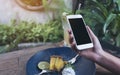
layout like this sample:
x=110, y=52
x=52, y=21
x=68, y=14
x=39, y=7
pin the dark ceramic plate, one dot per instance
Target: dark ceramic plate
x=81, y=67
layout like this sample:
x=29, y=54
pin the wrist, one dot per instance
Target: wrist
x=99, y=56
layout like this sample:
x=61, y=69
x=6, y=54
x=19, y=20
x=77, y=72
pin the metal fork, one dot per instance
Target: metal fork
x=43, y=71
x=72, y=61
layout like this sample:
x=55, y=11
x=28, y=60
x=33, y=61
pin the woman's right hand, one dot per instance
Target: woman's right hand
x=97, y=54
x=91, y=53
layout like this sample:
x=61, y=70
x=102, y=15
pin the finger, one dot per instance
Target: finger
x=90, y=32
x=70, y=37
x=73, y=46
x=92, y=35
x=69, y=31
x=71, y=40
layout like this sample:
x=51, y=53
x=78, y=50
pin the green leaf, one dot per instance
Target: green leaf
x=118, y=1
x=118, y=40
x=116, y=25
x=101, y=7
x=110, y=18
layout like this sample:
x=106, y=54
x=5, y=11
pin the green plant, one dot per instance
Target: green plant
x=14, y=33
x=19, y=32
x=104, y=18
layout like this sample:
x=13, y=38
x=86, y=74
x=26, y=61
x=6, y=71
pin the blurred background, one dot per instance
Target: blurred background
x=41, y=21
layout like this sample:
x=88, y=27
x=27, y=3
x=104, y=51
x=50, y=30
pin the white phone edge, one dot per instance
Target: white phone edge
x=83, y=46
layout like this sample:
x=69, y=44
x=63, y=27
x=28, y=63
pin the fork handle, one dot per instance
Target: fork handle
x=76, y=55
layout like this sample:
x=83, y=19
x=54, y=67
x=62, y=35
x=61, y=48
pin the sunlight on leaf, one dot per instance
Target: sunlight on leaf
x=110, y=18
x=118, y=1
x=118, y=40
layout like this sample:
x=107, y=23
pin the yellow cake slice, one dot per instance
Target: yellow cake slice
x=59, y=64
x=56, y=63
x=52, y=62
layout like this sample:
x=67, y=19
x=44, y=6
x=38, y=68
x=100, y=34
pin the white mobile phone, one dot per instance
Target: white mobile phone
x=79, y=31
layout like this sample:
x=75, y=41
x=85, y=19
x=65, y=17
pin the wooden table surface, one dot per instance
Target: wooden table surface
x=14, y=63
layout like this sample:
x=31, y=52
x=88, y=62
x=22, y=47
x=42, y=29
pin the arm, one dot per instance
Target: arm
x=109, y=62
x=97, y=54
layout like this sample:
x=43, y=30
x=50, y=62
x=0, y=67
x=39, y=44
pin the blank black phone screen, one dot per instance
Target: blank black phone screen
x=79, y=31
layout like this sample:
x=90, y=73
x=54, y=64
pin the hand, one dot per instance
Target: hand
x=97, y=54
x=91, y=53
